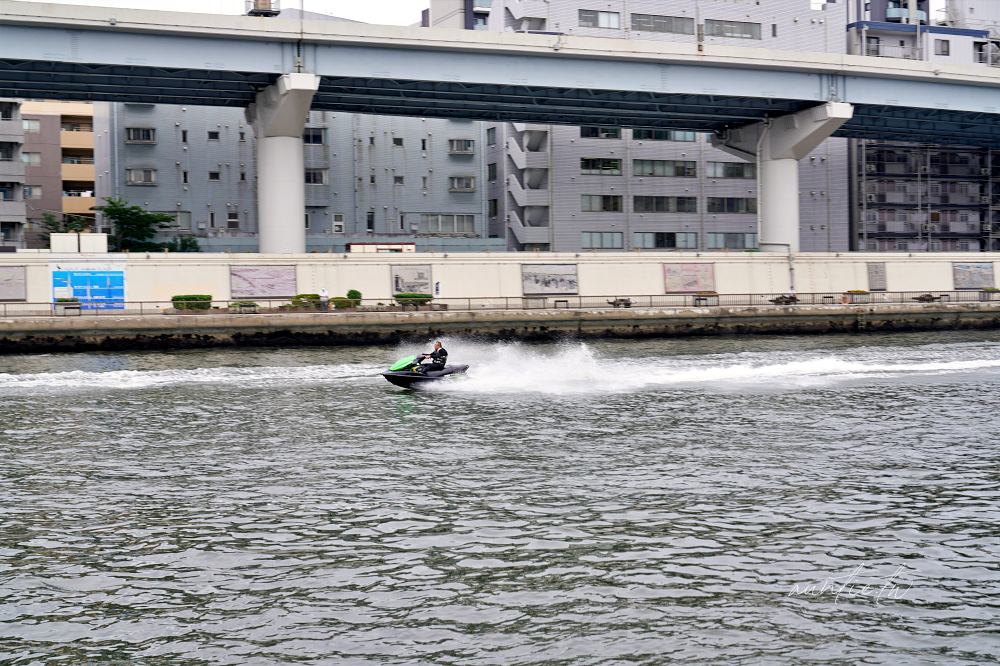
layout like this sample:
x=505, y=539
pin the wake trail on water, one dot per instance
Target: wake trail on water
x=238, y=377
x=576, y=368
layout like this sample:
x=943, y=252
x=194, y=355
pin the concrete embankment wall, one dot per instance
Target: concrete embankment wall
x=109, y=332
x=29, y=277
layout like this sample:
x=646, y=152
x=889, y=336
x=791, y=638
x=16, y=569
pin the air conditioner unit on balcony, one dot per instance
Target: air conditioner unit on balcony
x=871, y=198
x=929, y=227
x=986, y=228
x=870, y=168
x=984, y=200
x=984, y=172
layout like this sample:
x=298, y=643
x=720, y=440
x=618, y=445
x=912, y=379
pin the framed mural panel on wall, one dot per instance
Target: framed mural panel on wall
x=549, y=279
x=13, y=283
x=968, y=275
x=681, y=278
x=876, y=276
x=262, y=281
x=409, y=279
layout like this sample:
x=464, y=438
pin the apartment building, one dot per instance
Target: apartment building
x=12, y=206
x=59, y=163
x=369, y=179
x=913, y=197
x=563, y=188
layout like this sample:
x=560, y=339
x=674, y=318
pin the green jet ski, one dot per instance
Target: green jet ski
x=408, y=373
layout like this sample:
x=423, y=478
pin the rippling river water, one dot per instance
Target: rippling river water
x=764, y=500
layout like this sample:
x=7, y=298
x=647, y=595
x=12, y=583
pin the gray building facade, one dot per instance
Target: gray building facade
x=567, y=188
x=369, y=179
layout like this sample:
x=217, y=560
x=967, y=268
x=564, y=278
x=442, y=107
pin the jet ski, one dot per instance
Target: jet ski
x=406, y=372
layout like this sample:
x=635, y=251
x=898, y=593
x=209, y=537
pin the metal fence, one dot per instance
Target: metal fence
x=260, y=306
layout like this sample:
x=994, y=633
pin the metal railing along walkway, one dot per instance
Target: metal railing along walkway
x=263, y=306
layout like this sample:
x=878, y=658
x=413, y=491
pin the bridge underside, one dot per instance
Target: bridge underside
x=474, y=101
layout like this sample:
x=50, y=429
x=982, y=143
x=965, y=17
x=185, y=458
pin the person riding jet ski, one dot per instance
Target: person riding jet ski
x=438, y=357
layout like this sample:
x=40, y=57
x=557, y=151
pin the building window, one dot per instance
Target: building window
x=397, y=141
x=461, y=146
x=243, y=176
x=397, y=180
x=679, y=168
x=462, y=184
x=211, y=220
x=314, y=136
x=731, y=241
x=653, y=23
x=731, y=170
x=215, y=176
x=140, y=176
x=31, y=159
x=233, y=220
x=32, y=191
x=665, y=204
x=590, y=18
x=655, y=134
x=140, y=135
x=655, y=240
x=371, y=141
x=491, y=136
x=600, y=166
x=31, y=126
x=184, y=136
x=338, y=223
x=423, y=182
x=737, y=29
x=595, y=132
x=446, y=223
x=308, y=219
x=243, y=136
x=942, y=47
x=213, y=136
x=493, y=206
x=731, y=205
x=600, y=203
x=602, y=240
x=370, y=221
x=184, y=177
x=491, y=171
x=316, y=176
x=423, y=144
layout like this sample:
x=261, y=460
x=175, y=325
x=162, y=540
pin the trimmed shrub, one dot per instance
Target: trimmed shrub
x=412, y=298
x=73, y=299
x=243, y=304
x=192, y=302
x=354, y=294
x=341, y=303
x=306, y=301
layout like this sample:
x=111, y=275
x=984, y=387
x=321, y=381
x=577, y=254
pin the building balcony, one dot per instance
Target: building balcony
x=11, y=169
x=83, y=172
x=80, y=139
x=12, y=208
x=78, y=205
x=11, y=131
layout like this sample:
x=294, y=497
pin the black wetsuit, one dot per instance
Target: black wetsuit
x=438, y=359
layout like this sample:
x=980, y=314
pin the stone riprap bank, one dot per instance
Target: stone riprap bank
x=109, y=332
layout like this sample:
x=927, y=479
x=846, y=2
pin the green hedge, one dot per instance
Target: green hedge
x=354, y=295
x=342, y=303
x=192, y=302
x=68, y=300
x=309, y=301
x=411, y=298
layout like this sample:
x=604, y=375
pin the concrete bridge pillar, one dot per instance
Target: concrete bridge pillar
x=777, y=145
x=278, y=117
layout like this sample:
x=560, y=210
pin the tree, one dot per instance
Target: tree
x=133, y=227
x=68, y=224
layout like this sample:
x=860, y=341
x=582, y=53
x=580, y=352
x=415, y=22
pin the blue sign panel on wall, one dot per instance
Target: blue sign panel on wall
x=96, y=290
